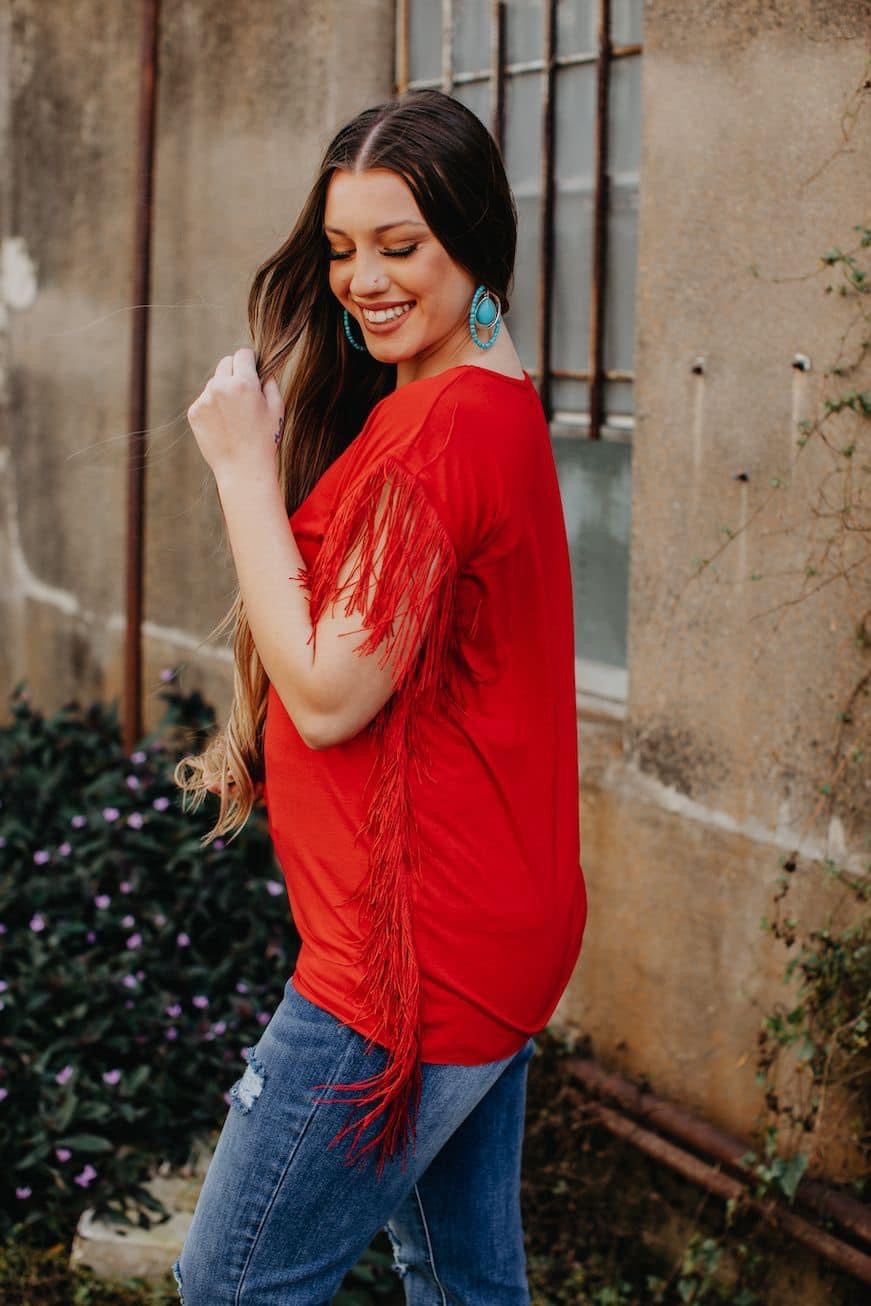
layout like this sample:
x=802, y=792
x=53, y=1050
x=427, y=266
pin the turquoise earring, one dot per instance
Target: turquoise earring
x=485, y=311
x=347, y=319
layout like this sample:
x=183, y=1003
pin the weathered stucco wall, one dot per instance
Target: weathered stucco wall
x=248, y=99
x=689, y=806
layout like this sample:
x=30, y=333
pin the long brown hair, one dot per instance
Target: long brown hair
x=452, y=166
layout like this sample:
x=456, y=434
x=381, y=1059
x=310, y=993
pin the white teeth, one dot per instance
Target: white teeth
x=385, y=314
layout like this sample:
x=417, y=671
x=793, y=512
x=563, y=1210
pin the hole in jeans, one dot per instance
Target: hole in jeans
x=399, y=1265
x=176, y=1270
x=246, y=1090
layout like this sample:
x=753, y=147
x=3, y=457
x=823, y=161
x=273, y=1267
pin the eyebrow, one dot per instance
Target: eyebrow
x=385, y=226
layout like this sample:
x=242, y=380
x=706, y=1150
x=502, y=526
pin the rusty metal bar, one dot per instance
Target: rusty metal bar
x=447, y=81
x=713, y=1143
x=847, y=1258
x=547, y=209
x=497, y=72
x=401, y=52
x=138, y=395
x=600, y=224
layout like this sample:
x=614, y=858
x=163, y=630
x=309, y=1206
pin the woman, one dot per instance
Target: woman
x=404, y=701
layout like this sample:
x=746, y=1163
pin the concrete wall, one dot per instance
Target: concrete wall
x=248, y=99
x=690, y=804
x=687, y=805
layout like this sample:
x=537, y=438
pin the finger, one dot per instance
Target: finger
x=244, y=364
x=225, y=367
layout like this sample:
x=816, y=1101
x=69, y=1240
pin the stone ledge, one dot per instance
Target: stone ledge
x=122, y=1251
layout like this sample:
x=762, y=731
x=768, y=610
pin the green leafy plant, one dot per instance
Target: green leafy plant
x=136, y=964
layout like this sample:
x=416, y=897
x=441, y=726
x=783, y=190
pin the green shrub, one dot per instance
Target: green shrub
x=135, y=964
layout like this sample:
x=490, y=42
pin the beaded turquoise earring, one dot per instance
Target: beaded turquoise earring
x=485, y=311
x=347, y=320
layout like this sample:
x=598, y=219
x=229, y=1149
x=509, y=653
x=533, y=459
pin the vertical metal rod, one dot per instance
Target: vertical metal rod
x=402, y=54
x=601, y=204
x=497, y=72
x=447, y=46
x=547, y=209
x=138, y=395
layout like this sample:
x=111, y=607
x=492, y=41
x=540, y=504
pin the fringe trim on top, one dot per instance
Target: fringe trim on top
x=408, y=604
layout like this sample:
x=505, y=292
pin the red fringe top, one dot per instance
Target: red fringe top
x=432, y=862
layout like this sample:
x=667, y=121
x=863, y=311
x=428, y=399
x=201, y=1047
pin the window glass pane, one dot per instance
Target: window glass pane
x=624, y=147
x=477, y=97
x=524, y=30
x=626, y=21
x=570, y=297
x=595, y=483
x=471, y=35
x=424, y=40
x=523, y=97
x=576, y=26
x=619, y=399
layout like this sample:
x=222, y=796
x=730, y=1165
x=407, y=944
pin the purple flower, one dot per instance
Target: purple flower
x=128, y=922
x=2, y=928
x=4, y=1092
x=160, y=804
x=227, y=1098
x=167, y=674
x=62, y=1153
x=183, y=940
x=2, y=840
x=91, y=936
x=172, y=1033
x=136, y=820
x=22, y=1193
x=3, y=986
x=85, y=1176
x=65, y=848
x=200, y=1000
x=218, y=845
x=42, y=856
x=132, y=781
x=102, y=901
x=134, y=941
x=110, y=813
x=159, y=919
x=174, y=1010
x=37, y=923
x=78, y=821
x=241, y=987
x=274, y=887
x=263, y=1018
x=125, y=886
x=139, y=756
x=63, y=1075
x=129, y=981
x=129, y=1003
x=140, y=974
x=219, y=1027
x=111, y=1076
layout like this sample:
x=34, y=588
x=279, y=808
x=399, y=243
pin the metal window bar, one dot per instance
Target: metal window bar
x=607, y=51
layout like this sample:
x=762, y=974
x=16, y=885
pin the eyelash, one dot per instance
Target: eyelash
x=390, y=253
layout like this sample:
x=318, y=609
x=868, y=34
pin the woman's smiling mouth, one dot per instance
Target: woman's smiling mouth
x=386, y=317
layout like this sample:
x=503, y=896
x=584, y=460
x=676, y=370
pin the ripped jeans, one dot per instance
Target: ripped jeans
x=281, y=1217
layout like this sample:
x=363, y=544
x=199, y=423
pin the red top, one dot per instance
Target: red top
x=451, y=820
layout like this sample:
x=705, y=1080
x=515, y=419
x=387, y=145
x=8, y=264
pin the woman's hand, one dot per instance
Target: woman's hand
x=238, y=425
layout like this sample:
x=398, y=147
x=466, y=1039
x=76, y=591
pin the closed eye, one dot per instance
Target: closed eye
x=390, y=253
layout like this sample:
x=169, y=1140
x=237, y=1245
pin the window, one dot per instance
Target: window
x=558, y=83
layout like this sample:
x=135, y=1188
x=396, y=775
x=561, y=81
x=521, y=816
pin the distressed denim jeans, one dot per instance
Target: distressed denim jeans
x=281, y=1217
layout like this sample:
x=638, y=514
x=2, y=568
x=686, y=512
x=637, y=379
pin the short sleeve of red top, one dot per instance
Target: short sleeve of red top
x=432, y=862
